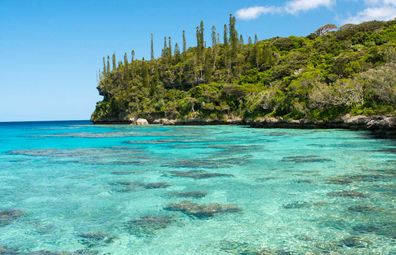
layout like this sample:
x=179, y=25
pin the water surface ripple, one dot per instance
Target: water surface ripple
x=75, y=188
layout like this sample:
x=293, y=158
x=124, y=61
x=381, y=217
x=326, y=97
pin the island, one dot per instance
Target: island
x=333, y=78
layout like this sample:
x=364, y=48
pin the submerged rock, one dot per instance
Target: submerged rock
x=339, y=180
x=156, y=185
x=45, y=252
x=191, y=194
x=265, y=179
x=125, y=186
x=354, y=242
x=382, y=228
x=368, y=177
x=238, y=248
x=304, y=181
x=364, y=229
x=347, y=193
x=233, y=149
x=348, y=179
x=362, y=208
x=85, y=252
x=388, y=229
x=147, y=226
x=202, y=210
x=388, y=150
x=278, y=134
x=198, y=174
x=334, y=223
x=9, y=216
x=8, y=251
x=297, y=205
x=304, y=159
x=209, y=163
x=243, y=248
x=273, y=252
x=94, y=239
x=123, y=172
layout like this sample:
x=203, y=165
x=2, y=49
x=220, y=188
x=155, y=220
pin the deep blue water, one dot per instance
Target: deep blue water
x=76, y=188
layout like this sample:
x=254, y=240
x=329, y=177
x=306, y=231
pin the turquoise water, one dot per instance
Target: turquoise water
x=81, y=189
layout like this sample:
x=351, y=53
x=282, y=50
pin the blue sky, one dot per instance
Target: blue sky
x=51, y=50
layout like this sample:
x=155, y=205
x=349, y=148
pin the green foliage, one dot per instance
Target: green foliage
x=321, y=76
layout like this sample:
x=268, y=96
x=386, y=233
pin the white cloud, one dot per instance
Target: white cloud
x=375, y=10
x=373, y=13
x=297, y=6
x=291, y=7
x=255, y=11
x=380, y=2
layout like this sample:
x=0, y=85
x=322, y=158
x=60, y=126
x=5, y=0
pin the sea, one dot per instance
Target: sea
x=70, y=187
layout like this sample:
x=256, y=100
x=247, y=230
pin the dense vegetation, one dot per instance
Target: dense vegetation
x=327, y=74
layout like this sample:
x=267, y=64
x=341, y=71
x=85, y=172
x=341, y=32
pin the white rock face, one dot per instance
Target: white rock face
x=359, y=119
x=141, y=122
x=164, y=121
x=383, y=122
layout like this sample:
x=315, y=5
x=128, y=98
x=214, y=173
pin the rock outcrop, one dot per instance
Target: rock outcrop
x=138, y=121
x=164, y=121
x=381, y=126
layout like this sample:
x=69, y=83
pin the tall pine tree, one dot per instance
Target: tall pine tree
x=114, y=61
x=214, y=37
x=104, y=66
x=184, y=42
x=225, y=35
x=152, y=46
x=126, y=59
x=177, y=53
x=108, y=65
x=170, y=47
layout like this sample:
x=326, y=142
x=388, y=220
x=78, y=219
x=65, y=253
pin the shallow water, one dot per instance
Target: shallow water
x=82, y=189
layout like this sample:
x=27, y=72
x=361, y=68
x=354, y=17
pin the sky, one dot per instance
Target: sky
x=51, y=50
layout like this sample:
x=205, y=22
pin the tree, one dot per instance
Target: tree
x=250, y=41
x=214, y=46
x=214, y=37
x=234, y=45
x=104, y=65
x=126, y=59
x=225, y=35
x=165, y=49
x=145, y=74
x=201, y=34
x=108, y=65
x=170, y=47
x=267, y=57
x=184, y=42
x=132, y=64
x=114, y=61
x=325, y=29
x=256, y=51
x=233, y=35
x=177, y=53
x=152, y=46
x=132, y=56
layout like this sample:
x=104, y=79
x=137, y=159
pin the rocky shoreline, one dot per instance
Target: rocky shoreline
x=380, y=126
